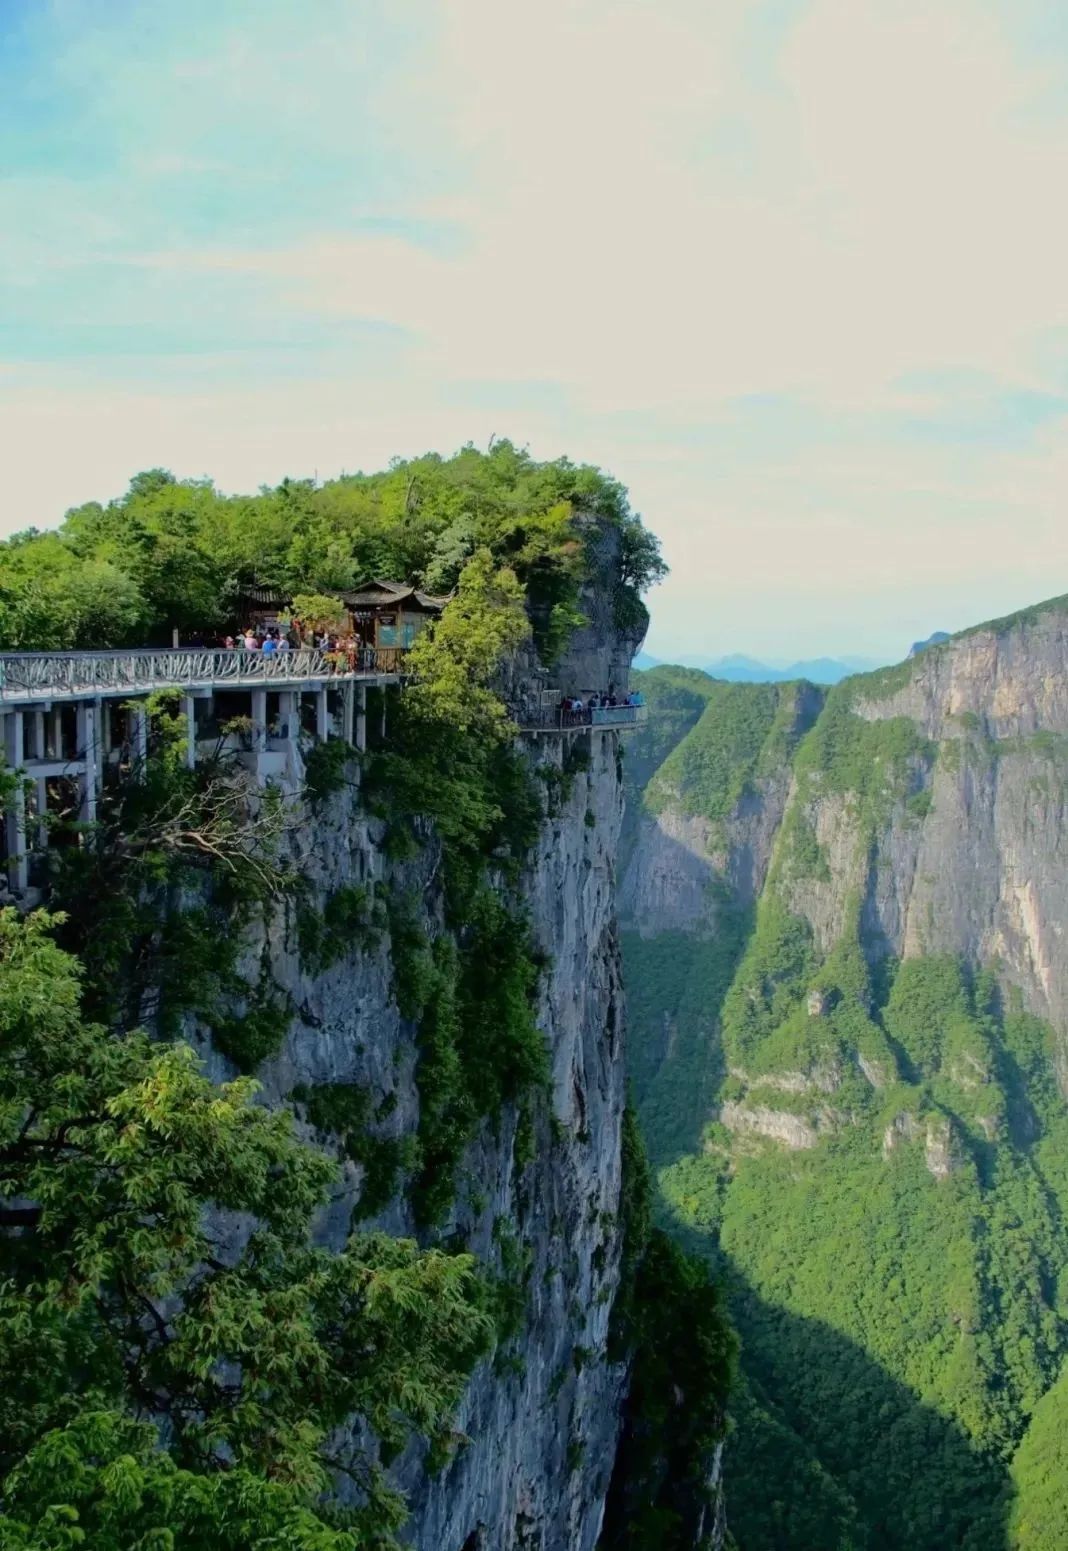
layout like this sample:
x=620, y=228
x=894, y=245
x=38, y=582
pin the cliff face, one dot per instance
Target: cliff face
x=966, y=853
x=538, y=1427
x=846, y=965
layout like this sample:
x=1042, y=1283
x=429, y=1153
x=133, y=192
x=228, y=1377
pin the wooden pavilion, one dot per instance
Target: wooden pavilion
x=390, y=614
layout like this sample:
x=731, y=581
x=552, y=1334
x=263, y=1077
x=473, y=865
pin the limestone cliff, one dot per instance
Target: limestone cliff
x=538, y=1428
x=844, y=927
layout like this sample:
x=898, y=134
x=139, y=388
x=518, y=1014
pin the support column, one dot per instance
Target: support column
x=42, y=812
x=361, y=716
x=322, y=714
x=40, y=746
x=105, y=734
x=348, y=711
x=139, y=736
x=383, y=729
x=289, y=721
x=15, y=817
x=86, y=714
x=57, y=732
x=189, y=706
x=259, y=720
x=289, y=715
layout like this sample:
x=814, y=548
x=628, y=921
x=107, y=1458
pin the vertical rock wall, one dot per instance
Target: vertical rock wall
x=538, y=1425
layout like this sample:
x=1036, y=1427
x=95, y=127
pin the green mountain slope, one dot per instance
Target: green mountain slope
x=847, y=1040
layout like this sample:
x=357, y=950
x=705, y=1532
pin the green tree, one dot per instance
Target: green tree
x=179, y=1367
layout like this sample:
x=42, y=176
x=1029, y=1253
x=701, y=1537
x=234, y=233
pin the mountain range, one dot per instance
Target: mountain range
x=737, y=668
x=842, y=917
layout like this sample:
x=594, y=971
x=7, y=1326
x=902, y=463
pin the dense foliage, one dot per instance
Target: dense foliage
x=897, y=1273
x=129, y=1418
x=181, y=1367
x=668, y=1319
x=176, y=554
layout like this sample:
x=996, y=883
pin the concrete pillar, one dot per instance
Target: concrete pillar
x=189, y=706
x=86, y=713
x=348, y=715
x=322, y=714
x=383, y=714
x=259, y=720
x=105, y=732
x=57, y=732
x=42, y=811
x=139, y=736
x=40, y=736
x=15, y=817
x=289, y=715
x=361, y=716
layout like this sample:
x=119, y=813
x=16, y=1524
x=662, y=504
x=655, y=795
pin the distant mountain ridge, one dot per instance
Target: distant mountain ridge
x=736, y=668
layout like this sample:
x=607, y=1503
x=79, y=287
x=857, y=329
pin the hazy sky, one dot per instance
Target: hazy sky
x=796, y=271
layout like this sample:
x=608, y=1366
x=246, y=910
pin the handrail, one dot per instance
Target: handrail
x=593, y=716
x=27, y=675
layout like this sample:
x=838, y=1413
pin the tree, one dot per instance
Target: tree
x=178, y=1366
x=319, y=610
x=454, y=661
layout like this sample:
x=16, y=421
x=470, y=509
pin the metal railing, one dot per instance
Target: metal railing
x=550, y=718
x=44, y=675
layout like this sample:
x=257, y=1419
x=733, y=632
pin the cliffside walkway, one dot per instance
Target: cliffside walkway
x=606, y=718
x=27, y=677
x=66, y=717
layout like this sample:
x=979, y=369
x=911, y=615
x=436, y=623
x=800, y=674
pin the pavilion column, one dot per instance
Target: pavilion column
x=15, y=817
x=361, y=716
x=189, y=706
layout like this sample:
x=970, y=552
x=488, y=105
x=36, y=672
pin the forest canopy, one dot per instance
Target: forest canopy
x=177, y=554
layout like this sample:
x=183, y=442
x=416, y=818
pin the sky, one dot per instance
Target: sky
x=795, y=271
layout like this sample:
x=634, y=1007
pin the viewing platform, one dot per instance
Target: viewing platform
x=68, y=719
x=32, y=677
x=605, y=718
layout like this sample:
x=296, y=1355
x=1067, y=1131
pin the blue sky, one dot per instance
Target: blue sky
x=792, y=269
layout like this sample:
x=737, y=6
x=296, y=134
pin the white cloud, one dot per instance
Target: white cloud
x=662, y=208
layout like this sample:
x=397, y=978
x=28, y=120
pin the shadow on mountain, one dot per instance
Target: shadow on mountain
x=831, y=1453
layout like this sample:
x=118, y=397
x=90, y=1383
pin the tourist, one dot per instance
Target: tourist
x=270, y=646
x=251, y=643
x=283, y=645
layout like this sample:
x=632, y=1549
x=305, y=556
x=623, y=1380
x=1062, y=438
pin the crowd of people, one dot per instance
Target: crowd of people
x=344, y=651
x=570, y=704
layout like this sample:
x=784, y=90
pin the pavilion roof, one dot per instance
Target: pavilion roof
x=384, y=594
